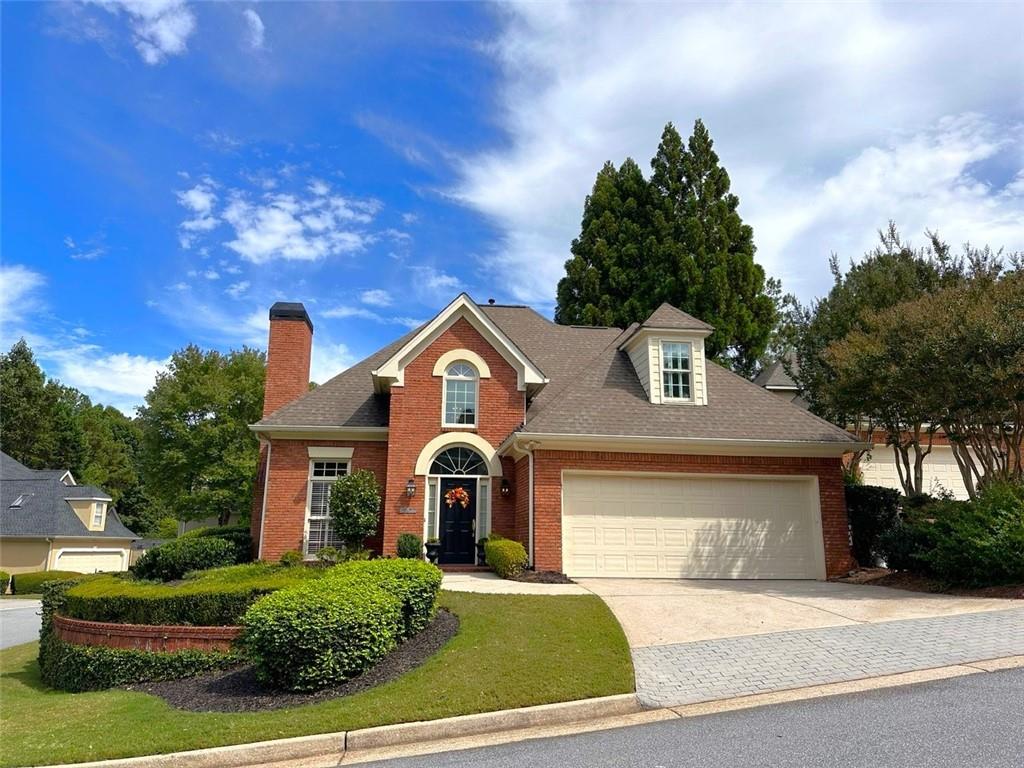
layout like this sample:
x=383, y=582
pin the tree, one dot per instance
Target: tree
x=355, y=508
x=23, y=405
x=676, y=238
x=198, y=454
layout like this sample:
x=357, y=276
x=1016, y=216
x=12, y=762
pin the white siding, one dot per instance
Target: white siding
x=640, y=357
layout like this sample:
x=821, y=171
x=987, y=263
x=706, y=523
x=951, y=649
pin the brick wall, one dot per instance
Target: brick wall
x=144, y=637
x=548, y=467
x=288, y=488
x=415, y=419
x=288, y=356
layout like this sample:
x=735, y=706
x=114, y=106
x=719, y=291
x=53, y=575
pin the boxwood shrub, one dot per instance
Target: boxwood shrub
x=414, y=582
x=32, y=583
x=239, y=536
x=506, y=557
x=174, y=559
x=320, y=633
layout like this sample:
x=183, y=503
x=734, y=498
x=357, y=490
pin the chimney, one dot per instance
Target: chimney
x=288, y=355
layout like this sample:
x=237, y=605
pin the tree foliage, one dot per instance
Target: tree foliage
x=677, y=238
x=355, y=508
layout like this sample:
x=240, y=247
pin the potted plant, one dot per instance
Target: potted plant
x=481, y=555
x=433, y=549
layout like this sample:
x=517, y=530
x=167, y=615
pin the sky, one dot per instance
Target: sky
x=170, y=169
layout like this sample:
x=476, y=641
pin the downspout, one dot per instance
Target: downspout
x=263, y=504
x=49, y=554
x=529, y=447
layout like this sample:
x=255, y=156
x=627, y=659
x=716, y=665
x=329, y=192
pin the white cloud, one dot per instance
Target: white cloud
x=409, y=218
x=160, y=28
x=790, y=98
x=18, y=286
x=236, y=290
x=254, y=27
x=118, y=378
x=435, y=281
x=211, y=274
x=328, y=360
x=346, y=311
x=200, y=200
x=376, y=298
x=93, y=250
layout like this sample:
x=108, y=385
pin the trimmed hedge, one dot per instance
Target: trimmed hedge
x=409, y=546
x=174, y=559
x=32, y=583
x=5, y=579
x=214, y=598
x=76, y=668
x=239, y=535
x=506, y=557
x=321, y=633
x=872, y=512
x=414, y=582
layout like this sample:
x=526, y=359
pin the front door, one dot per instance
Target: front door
x=458, y=520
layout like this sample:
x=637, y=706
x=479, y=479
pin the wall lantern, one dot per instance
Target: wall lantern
x=410, y=487
x=506, y=488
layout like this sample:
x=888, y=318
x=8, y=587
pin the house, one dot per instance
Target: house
x=50, y=523
x=605, y=451
x=878, y=467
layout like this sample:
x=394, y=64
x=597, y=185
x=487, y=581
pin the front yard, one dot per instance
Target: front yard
x=510, y=651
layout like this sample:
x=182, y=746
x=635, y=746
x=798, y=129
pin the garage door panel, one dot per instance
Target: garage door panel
x=89, y=561
x=691, y=526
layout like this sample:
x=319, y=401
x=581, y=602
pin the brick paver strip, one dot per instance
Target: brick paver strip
x=686, y=673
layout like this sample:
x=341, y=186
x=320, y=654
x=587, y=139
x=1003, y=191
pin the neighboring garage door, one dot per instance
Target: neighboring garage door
x=941, y=472
x=90, y=561
x=691, y=526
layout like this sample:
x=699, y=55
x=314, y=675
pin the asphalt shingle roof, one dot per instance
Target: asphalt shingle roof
x=775, y=375
x=667, y=316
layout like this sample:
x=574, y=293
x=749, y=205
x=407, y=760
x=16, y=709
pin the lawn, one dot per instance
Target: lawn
x=510, y=651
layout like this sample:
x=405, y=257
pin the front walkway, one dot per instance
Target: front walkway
x=487, y=583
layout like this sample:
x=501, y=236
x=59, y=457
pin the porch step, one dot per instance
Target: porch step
x=464, y=568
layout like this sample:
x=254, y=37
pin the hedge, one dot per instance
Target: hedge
x=506, y=557
x=872, y=511
x=414, y=582
x=32, y=583
x=409, y=546
x=174, y=559
x=239, y=535
x=76, y=668
x=215, y=598
x=5, y=578
x=321, y=633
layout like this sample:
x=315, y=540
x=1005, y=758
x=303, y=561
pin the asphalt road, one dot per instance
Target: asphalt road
x=19, y=622
x=975, y=721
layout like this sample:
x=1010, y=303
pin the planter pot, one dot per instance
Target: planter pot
x=433, y=550
x=481, y=556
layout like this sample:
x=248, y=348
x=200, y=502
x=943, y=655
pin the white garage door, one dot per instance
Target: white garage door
x=941, y=472
x=691, y=527
x=90, y=561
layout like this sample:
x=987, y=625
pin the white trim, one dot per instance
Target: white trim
x=309, y=502
x=530, y=509
x=392, y=371
x=452, y=439
x=263, y=505
x=301, y=432
x=692, y=399
x=455, y=355
x=678, y=445
x=329, y=452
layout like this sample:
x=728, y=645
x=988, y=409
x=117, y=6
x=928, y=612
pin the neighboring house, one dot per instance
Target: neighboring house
x=48, y=522
x=878, y=467
x=606, y=452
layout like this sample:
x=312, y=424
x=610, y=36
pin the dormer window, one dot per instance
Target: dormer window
x=675, y=370
x=461, y=392
x=97, y=515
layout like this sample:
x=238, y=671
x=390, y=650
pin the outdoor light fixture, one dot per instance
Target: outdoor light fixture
x=410, y=487
x=506, y=488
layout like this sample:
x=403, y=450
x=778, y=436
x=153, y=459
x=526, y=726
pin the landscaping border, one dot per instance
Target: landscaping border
x=161, y=638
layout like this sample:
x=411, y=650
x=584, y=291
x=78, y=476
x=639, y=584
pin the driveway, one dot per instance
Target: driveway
x=19, y=621
x=695, y=641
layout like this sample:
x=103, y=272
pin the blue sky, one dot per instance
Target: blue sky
x=170, y=169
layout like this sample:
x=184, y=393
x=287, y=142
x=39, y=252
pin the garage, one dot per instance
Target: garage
x=941, y=472
x=691, y=526
x=90, y=561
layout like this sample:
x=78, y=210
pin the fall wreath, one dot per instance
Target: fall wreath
x=457, y=495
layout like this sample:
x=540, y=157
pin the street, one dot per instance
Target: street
x=976, y=720
x=19, y=622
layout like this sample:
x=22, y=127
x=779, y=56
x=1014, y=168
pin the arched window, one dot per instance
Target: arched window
x=461, y=390
x=459, y=461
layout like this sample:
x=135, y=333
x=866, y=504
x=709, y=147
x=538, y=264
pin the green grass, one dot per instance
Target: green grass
x=510, y=651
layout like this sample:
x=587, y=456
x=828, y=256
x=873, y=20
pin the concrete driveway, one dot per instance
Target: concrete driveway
x=19, y=621
x=663, y=611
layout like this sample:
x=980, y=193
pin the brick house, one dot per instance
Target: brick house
x=606, y=452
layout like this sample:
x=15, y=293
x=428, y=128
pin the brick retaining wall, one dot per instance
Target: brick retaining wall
x=144, y=637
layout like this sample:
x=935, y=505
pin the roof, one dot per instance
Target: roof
x=667, y=316
x=593, y=389
x=43, y=509
x=774, y=376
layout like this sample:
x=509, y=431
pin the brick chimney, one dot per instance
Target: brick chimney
x=288, y=355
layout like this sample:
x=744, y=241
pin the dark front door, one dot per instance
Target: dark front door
x=457, y=521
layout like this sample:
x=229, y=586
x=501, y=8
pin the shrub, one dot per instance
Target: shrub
x=291, y=558
x=31, y=583
x=5, y=579
x=166, y=528
x=355, y=507
x=329, y=555
x=409, y=546
x=238, y=535
x=506, y=557
x=872, y=511
x=414, y=582
x=174, y=559
x=321, y=633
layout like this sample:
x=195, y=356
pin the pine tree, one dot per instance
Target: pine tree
x=24, y=415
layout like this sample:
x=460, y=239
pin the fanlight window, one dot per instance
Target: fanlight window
x=459, y=461
x=460, y=395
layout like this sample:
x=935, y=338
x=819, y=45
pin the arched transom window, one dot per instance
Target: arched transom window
x=461, y=391
x=459, y=461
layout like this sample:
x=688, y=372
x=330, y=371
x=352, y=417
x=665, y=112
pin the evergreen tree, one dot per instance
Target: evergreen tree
x=23, y=406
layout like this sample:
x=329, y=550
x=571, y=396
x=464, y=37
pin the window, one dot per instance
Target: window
x=460, y=395
x=675, y=370
x=97, y=515
x=458, y=461
x=321, y=478
x=432, y=531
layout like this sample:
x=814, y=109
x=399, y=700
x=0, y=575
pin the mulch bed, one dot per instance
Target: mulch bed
x=543, y=577
x=880, y=577
x=238, y=690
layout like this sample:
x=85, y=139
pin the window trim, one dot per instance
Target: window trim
x=444, y=395
x=306, y=554
x=98, y=507
x=689, y=372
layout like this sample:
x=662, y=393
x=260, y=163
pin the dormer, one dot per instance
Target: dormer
x=667, y=351
x=91, y=510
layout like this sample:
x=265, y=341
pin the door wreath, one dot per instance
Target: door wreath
x=457, y=495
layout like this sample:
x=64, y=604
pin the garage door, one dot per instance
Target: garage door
x=90, y=561
x=691, y=527
x=941, y=472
